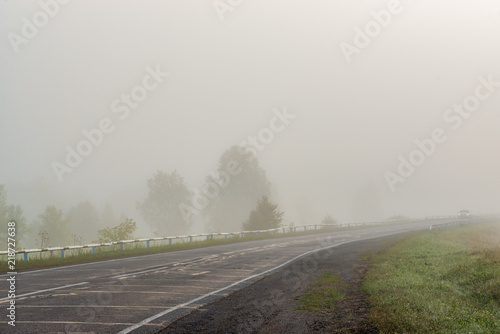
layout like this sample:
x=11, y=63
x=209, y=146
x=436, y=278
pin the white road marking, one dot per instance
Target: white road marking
x=198, y=260
x=140, y=272
x=76, y=322
x=45, y=290
x=172, y=309
x=201, y=273
x=166, y=267
x=76, y=265
x=104, y=261
x=90, y=306
x=150, y=292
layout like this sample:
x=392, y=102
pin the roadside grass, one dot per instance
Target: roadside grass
x=323, y=295
x=438, y=282
x=53, y=258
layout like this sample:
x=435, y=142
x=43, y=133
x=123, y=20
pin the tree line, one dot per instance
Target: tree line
x=237, y=196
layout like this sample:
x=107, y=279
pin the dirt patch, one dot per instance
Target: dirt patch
x=269, y=305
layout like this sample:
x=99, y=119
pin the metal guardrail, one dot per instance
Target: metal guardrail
x=447, y=225
x=149, y=241
x=461, y=222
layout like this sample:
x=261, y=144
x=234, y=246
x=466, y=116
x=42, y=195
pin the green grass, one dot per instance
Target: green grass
x=438, y=282
x=323, y=295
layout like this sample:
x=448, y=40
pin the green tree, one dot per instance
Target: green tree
x=56, y=225
x=84, y=221
x=240, y=182
x=43, y=240
x=265, y=216
x=166, y=192
x=123, y=231
x=328, y=220
x=11, y=213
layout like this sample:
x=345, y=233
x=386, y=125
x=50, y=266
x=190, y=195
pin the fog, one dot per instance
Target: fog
x=351, y=105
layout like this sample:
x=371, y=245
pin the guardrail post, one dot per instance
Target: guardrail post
x=242, y=235
x=190, y=239
x=315, y=227
x=25, y=256
x=225, y=236
x=147, y=243
x=305, y=228
x=272, y=232
x=62, y=253
x=295, y=229
x=170, y=241
x=121, y=246
x=93, y=249
x=283, y=230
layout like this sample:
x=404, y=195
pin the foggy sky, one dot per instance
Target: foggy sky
x=353, y=119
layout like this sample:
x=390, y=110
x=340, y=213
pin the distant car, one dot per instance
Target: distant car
x=464, y=214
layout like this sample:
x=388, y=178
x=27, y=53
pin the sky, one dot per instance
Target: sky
x=360, y=81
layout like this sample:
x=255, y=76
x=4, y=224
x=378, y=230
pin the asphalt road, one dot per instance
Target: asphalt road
x=146, y=293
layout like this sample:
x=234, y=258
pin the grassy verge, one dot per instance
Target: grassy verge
x=438, y=282
x=323, y=295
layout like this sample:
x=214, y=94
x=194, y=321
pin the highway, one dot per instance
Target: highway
x=144, y=294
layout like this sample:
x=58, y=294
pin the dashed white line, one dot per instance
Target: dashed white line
x=200, y=273
x=45, y=290
x=79, y=322
x=140, y=272
x=92, y=306
x=166, y=267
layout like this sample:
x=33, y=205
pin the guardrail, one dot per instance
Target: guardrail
x=460, y=222
x=149, y=241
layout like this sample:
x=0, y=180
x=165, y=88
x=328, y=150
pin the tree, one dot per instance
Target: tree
x=240, y=182
x=84, y=221
x=56, y=225
x=43, y=240
x=121, y=232
x=328, y=220
x=265, y=216
x=11, y=213
x=166, y=192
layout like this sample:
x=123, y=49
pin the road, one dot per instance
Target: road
x=144, y=294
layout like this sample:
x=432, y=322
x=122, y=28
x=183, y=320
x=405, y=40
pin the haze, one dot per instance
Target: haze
x=226, y=80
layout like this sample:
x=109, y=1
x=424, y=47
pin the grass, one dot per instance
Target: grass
x=323, y=295
x=438, y=282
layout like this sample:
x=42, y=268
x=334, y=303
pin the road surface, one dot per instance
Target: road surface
x=146, y=293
